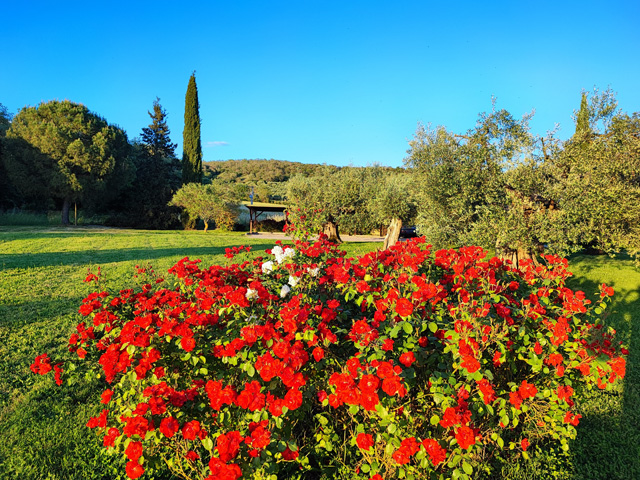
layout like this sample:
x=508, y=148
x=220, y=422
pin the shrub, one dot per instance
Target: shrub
x=397, y=364
x=271, y=225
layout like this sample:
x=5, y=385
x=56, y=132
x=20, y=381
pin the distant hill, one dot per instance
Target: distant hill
x=260, y=170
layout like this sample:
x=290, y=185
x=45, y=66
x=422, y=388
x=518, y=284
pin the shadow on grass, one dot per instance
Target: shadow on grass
x=97, y=256
x=22, y=313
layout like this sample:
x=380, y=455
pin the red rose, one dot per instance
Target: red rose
x=41, y=365
x=527, y=390
x=191, y=429
x=407, y=359
x=134, y=470
x=289, y=454
x=537, y=349
x=387, y=345
x=515, y=399
x=470, y=363
x=106, y=396
x=436, y=453
x=564, y=392
x=465, y=437
x=364, y=441
x=134, y=451
x=404, y=307
x=228, y=445
x=318, y=354
x=187, y=344
x=191, y=455
x=169, y=426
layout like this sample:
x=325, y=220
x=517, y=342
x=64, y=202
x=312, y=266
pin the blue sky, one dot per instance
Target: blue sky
x=334, y=82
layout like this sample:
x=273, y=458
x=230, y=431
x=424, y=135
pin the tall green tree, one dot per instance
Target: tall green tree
x=191, y=143
x=156, y=136
x=582, y=119
x=62, y=151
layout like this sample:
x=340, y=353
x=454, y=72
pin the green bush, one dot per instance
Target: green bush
x=396, y=364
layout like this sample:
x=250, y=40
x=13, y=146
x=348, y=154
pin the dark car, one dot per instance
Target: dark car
x=408, y=232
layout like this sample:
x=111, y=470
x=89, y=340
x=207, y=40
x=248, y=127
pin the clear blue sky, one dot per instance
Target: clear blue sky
x=336, y=82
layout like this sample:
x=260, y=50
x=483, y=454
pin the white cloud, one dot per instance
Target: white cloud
x=216, y=144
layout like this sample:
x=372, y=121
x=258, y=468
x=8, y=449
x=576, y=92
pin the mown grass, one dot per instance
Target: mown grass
x=42, y=432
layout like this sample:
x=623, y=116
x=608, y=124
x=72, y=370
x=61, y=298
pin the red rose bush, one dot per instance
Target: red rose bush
x=398, y=363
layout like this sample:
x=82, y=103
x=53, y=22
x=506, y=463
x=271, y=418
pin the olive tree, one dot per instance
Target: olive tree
x=596, y=177
x=210, y=203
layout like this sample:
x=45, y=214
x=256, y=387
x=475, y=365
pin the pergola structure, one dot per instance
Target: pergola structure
x=258, y=208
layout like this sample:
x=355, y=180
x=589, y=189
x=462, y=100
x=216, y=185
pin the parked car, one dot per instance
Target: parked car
x=408, y=232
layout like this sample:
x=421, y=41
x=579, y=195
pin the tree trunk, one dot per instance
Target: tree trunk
x=517, y=255
x=393, y=233
x=330, y=229
x=66, y=205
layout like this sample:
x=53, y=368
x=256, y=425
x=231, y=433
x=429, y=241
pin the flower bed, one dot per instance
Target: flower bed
x=396, y=364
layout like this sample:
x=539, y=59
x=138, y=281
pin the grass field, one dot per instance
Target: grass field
x=42, y=433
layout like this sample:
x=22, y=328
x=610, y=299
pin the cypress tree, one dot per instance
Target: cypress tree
x=582, y=122
x=191, y=145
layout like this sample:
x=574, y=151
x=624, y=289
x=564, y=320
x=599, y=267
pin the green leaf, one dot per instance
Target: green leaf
x=433, y=327
x=207, y=443
x=468, y=469
x=407, y=327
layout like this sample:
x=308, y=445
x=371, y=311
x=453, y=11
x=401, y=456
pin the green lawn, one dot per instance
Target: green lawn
x=42, y=433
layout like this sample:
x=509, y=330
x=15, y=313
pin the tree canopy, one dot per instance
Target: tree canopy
x=156, y=136
x=210, y=203
x=62, y=151
x=499, y=186
x=357, y=200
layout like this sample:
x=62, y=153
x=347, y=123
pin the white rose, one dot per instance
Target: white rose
x=293, y=281
x=313, y=271
x=284, y=291
x=252, y=294
x=277, y=251
x=267, y=267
